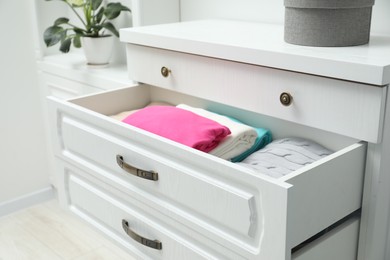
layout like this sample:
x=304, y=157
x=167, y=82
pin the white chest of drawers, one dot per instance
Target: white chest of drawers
x=163, y=200
x=67, y=76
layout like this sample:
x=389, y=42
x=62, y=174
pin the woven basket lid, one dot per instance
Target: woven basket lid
x=328, y=4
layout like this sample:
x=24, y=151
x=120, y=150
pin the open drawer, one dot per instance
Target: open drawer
x=252, y=214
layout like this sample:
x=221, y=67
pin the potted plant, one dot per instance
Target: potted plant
x=94, y=33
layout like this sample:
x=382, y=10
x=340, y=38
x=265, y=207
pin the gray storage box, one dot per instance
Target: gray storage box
x=328, y=23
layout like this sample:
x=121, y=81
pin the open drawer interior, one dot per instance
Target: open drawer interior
x=113, y=102
x=277, y=215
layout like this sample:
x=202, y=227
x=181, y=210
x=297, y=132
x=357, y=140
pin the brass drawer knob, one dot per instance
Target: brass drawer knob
x=286, y=99
x=165, y=72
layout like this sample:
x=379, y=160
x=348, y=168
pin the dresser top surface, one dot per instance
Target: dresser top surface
x=263, y=44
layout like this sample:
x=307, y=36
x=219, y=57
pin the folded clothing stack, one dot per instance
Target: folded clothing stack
x=263, y=138
x=242, y=141
x=284, y=156
x=179, y=125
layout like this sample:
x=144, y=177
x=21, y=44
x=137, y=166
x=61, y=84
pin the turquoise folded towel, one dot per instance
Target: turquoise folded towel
x=264, y=137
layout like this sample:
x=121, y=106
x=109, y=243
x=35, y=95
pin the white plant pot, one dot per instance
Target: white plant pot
x=98, y=50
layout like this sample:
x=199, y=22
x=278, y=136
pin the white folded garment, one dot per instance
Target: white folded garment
x=242, y=137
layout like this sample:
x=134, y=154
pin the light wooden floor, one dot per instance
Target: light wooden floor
x=47, y=232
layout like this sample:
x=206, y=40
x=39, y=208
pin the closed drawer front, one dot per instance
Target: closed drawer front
x=339, y=243
x=128, y=224
x=254, y=215
x=342, y=107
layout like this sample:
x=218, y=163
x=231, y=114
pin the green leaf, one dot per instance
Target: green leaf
x=78, y=31
x=113, y=10
x=53, y=35
x=77, y=41
x=88, y=14
x=76, y=3
x=99, y=15
x=95, y=30
x=96, y=4
x=109, y=26
x=61, y=20
x=65, y=45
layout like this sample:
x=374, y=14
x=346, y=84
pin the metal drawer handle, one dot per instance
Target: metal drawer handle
x=286, y=99
x=165, y=72
x=149, y=175
x=144, y=241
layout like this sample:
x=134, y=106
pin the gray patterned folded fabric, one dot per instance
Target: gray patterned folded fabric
x=284, y=156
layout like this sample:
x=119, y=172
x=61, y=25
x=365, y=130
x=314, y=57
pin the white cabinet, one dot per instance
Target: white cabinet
x=65, y=88
x=356, y=110
x=67, y=76
x=138, y=228
x=251, y=214
x=163, y=200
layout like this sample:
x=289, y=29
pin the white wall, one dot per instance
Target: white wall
x=269, y=11
x=381, y=17
x=23, y=167
x=45, y=14
x=249, y=10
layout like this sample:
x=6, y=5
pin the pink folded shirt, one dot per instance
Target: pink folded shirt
x=179, y=125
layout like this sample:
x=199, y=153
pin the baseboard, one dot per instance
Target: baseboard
x=25, y=201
